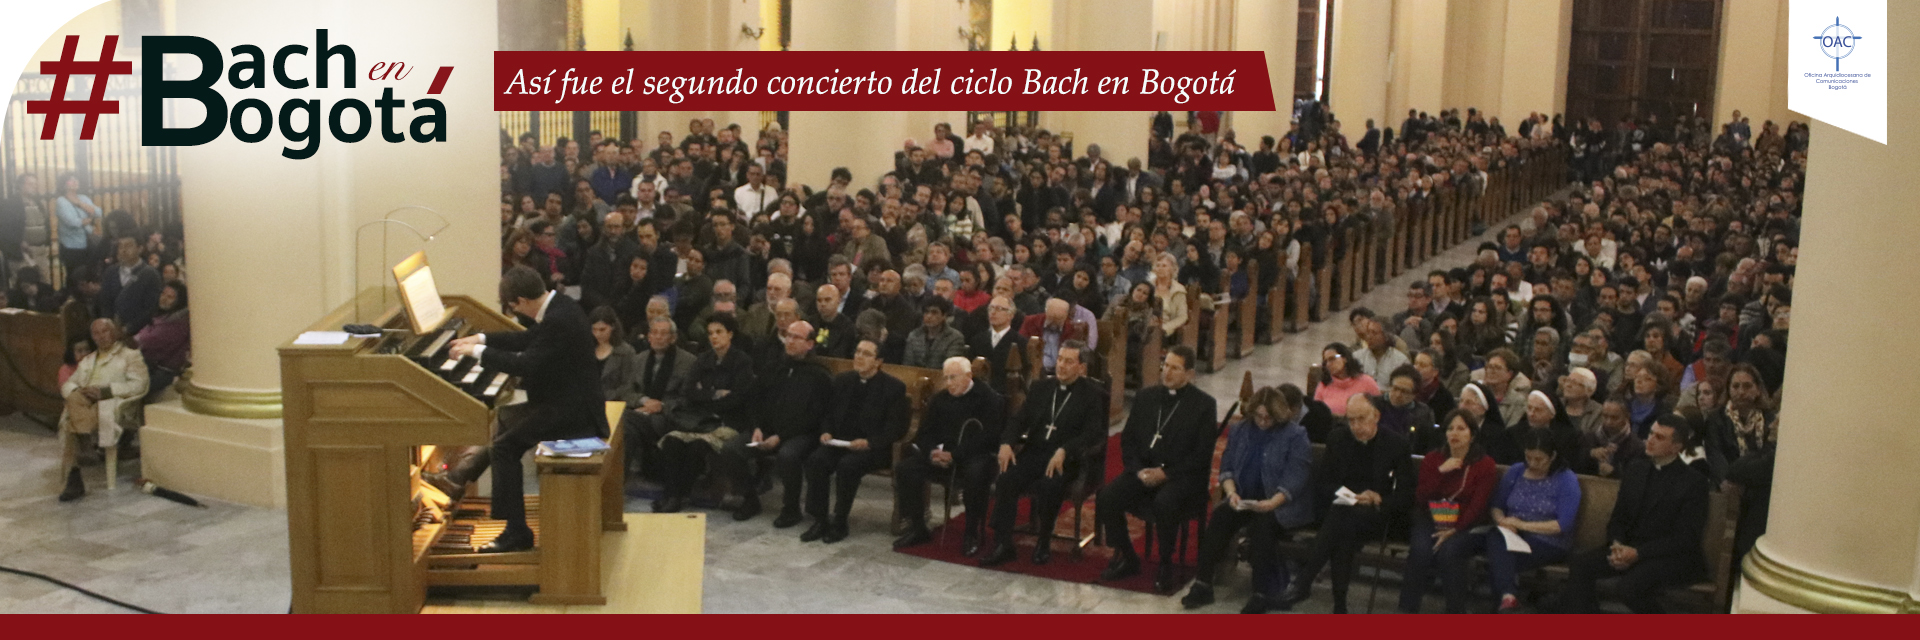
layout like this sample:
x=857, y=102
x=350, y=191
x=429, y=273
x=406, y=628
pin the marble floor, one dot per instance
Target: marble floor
x=231, y=558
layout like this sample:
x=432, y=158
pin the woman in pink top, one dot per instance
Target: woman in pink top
x=1340, y=378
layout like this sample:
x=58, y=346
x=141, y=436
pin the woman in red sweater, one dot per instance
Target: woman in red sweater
x=1455, y=482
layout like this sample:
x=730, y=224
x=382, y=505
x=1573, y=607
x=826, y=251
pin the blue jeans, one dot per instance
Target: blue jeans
x=1450, y=560
x=1506, y=565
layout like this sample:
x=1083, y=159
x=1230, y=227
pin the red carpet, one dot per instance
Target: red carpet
x=946, y=543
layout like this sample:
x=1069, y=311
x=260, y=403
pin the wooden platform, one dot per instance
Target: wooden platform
x=654, y=567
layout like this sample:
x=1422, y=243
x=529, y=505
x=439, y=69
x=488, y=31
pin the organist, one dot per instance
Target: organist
x=555, y=363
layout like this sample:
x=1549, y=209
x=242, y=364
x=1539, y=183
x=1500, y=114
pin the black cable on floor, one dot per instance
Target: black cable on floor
x=63, y=583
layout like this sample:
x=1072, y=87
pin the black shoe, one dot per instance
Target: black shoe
x=970, y=544
x=75, y=486
x=787, y=519
x=445, y=484
x=916, y=535
x=1121, y=567
x=1199, y=596
x=835, y=532
x=1339, y=602
x=1042, y=552
x=815, y=532
x=669, y=504
x=1002, y=553
x=508, y=542
x=1163, y=580
x=749, y=507
x=1257, y=603
x=1296, y=595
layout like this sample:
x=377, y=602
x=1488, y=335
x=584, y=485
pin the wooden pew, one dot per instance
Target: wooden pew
x=1248, y=311
x=1150, y=355
x=1351, y=240
x=1219, y=315
x=1113, y=336
x=1302, y=287
x=31, y=348
x=1397, y=246
x=1323, y=280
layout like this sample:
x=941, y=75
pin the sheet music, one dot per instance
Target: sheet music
x=423, y=298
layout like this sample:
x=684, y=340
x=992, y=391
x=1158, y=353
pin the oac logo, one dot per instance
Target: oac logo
x=1836, y=42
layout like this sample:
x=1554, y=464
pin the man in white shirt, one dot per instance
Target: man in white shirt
x=981, y=140
x=754, y=196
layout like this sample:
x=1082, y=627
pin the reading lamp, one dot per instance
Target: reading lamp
x=384, y=237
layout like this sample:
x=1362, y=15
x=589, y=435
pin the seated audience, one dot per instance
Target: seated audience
x=869, y=413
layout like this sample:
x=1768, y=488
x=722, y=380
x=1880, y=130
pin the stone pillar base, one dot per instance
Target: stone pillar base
x=231, y=459
x=1750, y=600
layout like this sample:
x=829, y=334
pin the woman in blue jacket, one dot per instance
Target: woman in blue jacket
x=1263, y=486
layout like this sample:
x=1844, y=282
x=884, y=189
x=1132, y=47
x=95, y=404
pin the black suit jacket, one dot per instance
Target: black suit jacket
x=554, y=361
x=1082, y=418
x=1661, y=513
x=879, y=415
x=132, y=304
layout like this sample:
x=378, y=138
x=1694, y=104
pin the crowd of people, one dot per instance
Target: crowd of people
x=122, y=302
x=1638, y=320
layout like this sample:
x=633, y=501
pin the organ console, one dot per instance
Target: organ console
x=366, y=415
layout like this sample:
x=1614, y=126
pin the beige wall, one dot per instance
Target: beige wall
x=1534, y=60
x=1476, y=49
x=1120, y=25
x=1272, y=29
x=819, y=138
x=1753, y=73
x=1358, y=80
x=1843, y=490
x=1022, y=20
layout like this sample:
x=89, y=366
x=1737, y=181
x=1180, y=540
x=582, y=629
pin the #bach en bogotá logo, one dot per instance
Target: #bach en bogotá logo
x=299, y=120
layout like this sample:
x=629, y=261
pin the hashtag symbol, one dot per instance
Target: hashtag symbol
x=58, y=105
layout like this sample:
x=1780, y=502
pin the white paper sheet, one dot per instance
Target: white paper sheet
x=1515, y=543
x=1345, y=497
x=328, y=338
x=836, y=442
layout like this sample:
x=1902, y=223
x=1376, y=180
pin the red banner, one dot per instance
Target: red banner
x=881, y=81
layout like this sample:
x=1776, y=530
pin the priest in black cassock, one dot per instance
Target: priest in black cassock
x=1167, y=450
x=1064, y=417
x=956, y=441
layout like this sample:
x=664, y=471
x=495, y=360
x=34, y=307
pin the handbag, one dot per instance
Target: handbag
x=1446, y=511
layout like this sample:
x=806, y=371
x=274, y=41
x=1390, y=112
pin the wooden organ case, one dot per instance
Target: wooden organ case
x=365, y=417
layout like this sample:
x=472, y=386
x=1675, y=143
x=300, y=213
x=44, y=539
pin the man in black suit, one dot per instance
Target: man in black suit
x=1054, y=436
x=1655, y=530
x=130, y=290
x=554, y=360
x=995, y=341
x=869, y=412
x=957, y=437
x=1369, y=141
x=1167, y=449
x=788, y=405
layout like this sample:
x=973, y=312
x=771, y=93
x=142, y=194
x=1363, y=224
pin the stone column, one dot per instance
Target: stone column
x=1842, y=533
x=862, y=141
x=1271, y=28
x=273, y=239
